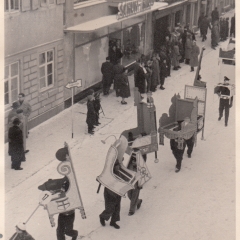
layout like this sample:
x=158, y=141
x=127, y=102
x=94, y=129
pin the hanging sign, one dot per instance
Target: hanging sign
x=132, y=7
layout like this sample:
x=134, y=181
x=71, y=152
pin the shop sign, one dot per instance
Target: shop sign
x=133, y=7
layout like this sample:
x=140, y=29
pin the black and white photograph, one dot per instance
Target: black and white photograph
x=119, y=120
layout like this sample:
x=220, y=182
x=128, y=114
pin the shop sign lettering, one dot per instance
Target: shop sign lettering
x=132, y=7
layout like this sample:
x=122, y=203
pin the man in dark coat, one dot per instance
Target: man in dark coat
x=91, y=114
x=168, y=46
x=163, y=73
x=124, y=90
x=225, y=102
x=232, y=29
x=112, y=204
x=16, y=149
x=107, y=72
x=115, y=54
x=205, y=24
x=184, y=38
x=97, y=107
x=215, y=15
x=201, y=17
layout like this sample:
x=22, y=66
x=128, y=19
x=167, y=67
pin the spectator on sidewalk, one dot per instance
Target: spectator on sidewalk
x=168, y=47
x=16, y=150
x=117, y=71
x=215, y=35
x=133, y=194
x=221, y=30
x=27, y=109
x=163, y=73
x=155, y=79
x=205, y=24
x=195, y=51
x=181, y=50
x=124, y=89
x=140, y=78
x=184, y=39
x=97, y=107
x=232, y=28
x=215, y=15
x=91, y=114
x=200, y=19
x=107, y=78
x=21, y=233
x=188, y=48
x=175, y=56
x=148, y=68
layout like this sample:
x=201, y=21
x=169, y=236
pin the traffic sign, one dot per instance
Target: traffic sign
x=77, y=83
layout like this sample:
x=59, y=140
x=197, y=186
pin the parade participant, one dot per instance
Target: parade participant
x=190, y=141
x=178, y=153
x=140, y=78
x=21, y=233
x=155, y=79
x=107, y=72
x=16, y=150
x=225, y=102
x=205, y=24
x=133, y=194
x=97, y=107
x=175, y=56
x=195, y=51
x=117, y=71
x=124, y=90
x=232, y=28
x=188, y=48
x=27, y=109
x=112, y=204
x=91, y=114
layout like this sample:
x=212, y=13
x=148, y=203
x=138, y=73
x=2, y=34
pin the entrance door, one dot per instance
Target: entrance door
x=161, y=25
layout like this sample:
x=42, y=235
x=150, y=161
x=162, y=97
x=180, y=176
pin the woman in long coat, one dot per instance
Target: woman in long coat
x=188, y=47
x=155, y=79
x=195, y=51
x=124, y=90
x=16, y=149
x=140, y=79
x=117, y=71
x=175, y=58
x=215, y=35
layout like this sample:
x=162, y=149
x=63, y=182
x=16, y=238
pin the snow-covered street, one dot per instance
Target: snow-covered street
x=196, y=203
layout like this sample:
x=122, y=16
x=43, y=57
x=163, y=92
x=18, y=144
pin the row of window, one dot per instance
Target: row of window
x=12, y=76
x=14, y=5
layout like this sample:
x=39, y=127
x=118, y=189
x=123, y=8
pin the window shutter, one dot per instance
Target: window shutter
x=60, y=1
x=35, y=4
x=26, y=5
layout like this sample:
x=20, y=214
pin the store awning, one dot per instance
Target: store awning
x=173, y=5
x=105, y=21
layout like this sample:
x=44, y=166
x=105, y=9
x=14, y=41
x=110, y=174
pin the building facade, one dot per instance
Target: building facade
x=49, y=43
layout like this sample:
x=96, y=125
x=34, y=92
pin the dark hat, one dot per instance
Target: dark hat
x=16, y=121
x=19, y=111
x=108, y=58
x=226, y=78
x=61, y=154
x=15, y=105
x=90, y=92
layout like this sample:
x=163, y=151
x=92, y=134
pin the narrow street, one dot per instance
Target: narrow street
x=196, y=203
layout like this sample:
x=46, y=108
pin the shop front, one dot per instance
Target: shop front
x=94, y=40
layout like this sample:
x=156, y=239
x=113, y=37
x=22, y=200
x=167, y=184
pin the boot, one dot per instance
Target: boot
x=192, y=69
x=113, y=224
x=102, y=221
